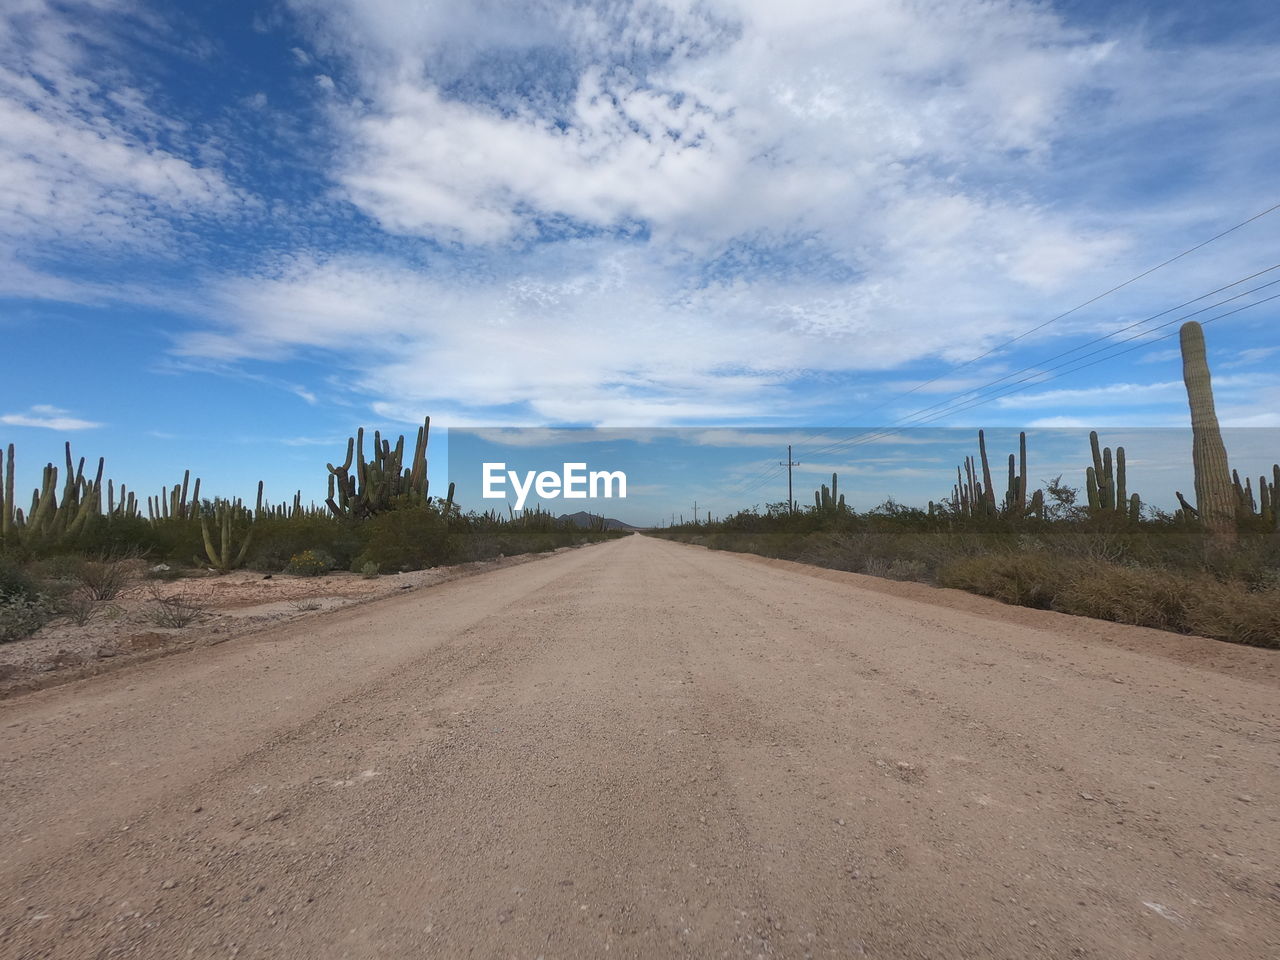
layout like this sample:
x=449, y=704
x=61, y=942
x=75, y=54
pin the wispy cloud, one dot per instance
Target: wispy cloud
x=85, y=159
x=47, y=417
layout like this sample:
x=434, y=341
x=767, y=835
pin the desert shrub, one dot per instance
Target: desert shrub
x=15, y=580
x=413, y=538
x=1157, y=573
x=277, y=539
x=1028, y=580
x=177, y=539
x=61, y=566
x=310, y=563
x=1196, y=603
x=903, y=569
x=124, y=536
x=174, y=610
x=22, y=614
x=1136, y=595
x=368, y=570
x=1225, y=612
x=875, y=566
x=105, y=579
x=79, y=607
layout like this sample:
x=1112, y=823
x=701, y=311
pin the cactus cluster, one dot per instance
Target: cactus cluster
x=1264, y=508
x=829, y=499
x=971, y=497
x=172, y=502
x=383, y=482
x=51, y=519
x=1105, y=483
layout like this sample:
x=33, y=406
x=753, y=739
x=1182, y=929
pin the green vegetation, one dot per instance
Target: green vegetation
x=80, y=542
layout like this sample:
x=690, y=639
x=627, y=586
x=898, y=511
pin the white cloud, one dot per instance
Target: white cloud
x=755, y=193
x=894, y=146
x=81, y=160
x=47, y=417
x=819, y=119
x=1248, y=357
x=590, y=332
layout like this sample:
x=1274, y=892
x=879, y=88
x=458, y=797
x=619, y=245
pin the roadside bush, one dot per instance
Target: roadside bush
x=79, y=607
x=15, y=581
x=902, y=569
x=105, y=579
x=310, y=563
x=177, y=539
x=1146, y=597
x=23, y=614
x=413, y=538
x=277, y=539
x=174, y=610
x=1026, y=579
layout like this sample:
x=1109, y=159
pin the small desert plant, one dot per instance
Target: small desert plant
x=902, y=569
x=368, y=570
x=104, y=579
x=174, y=609
x=79, y=607
x=305, y=604
x=310, y=563
x=23, y=614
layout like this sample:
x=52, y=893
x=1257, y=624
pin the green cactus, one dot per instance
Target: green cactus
x=223, y=555
x=1214, y=497
x=990, y=493
x=971, y=497
x=1106, y=481
x=380, y=483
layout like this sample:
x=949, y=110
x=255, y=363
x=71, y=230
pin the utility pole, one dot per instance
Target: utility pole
x=791, y=500
x=695, y=511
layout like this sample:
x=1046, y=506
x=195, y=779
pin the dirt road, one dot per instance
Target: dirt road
x=643, y=749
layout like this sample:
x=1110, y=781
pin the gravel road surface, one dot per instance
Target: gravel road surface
x=644, y=749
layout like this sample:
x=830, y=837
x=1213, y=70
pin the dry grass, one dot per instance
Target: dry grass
x=1151, y=575
x=1196, y=603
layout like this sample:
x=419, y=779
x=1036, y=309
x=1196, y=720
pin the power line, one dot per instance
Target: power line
x=771, y=473
x=1035, y=380
x=1131, y=326
x=965, y=398
x=1080, y=306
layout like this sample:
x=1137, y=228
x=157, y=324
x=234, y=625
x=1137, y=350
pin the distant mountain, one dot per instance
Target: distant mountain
x=583, y=519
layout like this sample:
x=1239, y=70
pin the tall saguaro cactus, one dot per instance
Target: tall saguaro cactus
x=1215, y=496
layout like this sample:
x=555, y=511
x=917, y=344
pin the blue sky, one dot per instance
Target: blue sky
x=232, y=232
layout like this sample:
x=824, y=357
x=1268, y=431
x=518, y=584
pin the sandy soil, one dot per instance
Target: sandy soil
x=127, y=630
x=643, y=749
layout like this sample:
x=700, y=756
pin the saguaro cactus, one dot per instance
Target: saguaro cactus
x=1215, y=496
